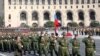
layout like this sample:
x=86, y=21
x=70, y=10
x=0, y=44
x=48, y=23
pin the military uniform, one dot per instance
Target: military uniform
x=75, y=47
x=52, y=46
x=89, y=46
x=42, y=45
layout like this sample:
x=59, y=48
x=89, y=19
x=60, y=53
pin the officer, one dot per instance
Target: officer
x=53, y=45
x=63, y=46
x=42, y=44
x=90, y=47
x=75, y=46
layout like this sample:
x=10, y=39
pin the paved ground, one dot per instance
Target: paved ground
x=82, y=51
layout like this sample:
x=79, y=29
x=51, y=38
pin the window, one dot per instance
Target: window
x=20, y=2
x=82, y=1
x=88, y=1
x=9, y=16
x=65, y=7
x=98, y=5
x=43, y=2
x=49, y=2
x=23, y=16
x=65, y=1
x=81, y=15
x=60, y=1
x=98, y=1
x=82, y=6
x=76, y=6
x=71, y=6
x=54, y=2
x=9, y=2
x=77, y=1
x=46, y=16
x=37, y=2
x=92, y=15
x=31, y=2
x=9, y=25
x=69, y=15
x=71, y=1
x=34, y=15
x=58, y=15
x=26, y=1
x=87, y=6
x=93, y=1
x=93, y=6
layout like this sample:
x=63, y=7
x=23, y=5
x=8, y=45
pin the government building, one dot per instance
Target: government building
x=37, y=12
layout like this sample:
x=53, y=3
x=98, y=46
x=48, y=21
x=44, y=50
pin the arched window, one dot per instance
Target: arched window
x=9, y=2
x=88, y=1
x=26, y=2
x=31, y=2
x=77, y=1
x=92, y=15
x=98, y=1
x=71, y=1
x=69, y=15
x=43, y=2
x=58, y=15
x=23, y=25
x=37, y=2
x=9, y=16
x=60, y=1
x=49, y=2
x=82, y=1
x=34, y=15
x=54, y=2
x=93, y=1
x=46, y=16
x=65, y=1
x=81, y=15
x=20, y=1
x=23, y=16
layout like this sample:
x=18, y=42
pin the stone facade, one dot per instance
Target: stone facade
x=30, y=12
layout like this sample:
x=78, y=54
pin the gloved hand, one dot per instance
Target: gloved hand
x=94, y=52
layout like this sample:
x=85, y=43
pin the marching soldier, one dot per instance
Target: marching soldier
x=75, y=46
x=90, y=47
x=18, y=46
x=1, y=42
x=34, y=43
x=52, y=46
x=42, y=45
x=63, y=48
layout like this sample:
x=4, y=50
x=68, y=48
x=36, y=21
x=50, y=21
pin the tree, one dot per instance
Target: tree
x=94, y=24
x=49, y=24
x=72, y=24
x=1, y=21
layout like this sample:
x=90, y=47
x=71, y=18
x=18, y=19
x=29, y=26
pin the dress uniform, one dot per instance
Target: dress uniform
x=89, y=46
x=75, y=46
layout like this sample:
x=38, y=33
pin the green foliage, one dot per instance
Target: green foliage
x=72, y=24
x=24, y=25
x=95, y=24
x=49, y=24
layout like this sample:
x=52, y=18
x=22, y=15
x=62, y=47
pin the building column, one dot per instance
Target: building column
x=87, y=19
x=75, y=16
x=40, y=21
x=29, y=18
x=64, y=20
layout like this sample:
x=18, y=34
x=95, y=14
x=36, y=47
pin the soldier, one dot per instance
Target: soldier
x=63, y=46
x=90, y=47
x=75, y=46
x=42, y=44
x=53, y=45
x=1, y=42
x=34, y=42
x=18, y=46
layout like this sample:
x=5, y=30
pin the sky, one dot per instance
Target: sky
x=1, y=8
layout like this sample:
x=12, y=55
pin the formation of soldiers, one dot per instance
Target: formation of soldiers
x=45, y=44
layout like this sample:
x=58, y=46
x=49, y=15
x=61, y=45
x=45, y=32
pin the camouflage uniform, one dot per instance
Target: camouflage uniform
x=89, y=46
x=75, y=47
